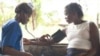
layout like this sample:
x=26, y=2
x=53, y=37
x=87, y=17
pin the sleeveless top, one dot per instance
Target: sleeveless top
x=78, y=36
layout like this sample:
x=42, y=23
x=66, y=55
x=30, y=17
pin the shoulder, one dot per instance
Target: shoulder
x=93, y=28
x=92, y=25
x=13, y=22
x=10, y=23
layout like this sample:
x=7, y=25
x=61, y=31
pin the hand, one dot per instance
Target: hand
x=44, y=37
x=26, y=41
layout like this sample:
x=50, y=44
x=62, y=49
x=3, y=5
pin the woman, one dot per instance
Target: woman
x=12, y=34
x=83, y=36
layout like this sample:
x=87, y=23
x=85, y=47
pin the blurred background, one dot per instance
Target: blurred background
x=48, y=15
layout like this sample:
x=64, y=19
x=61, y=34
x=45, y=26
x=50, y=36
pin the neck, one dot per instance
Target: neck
x=17, y=18
x=79, y=22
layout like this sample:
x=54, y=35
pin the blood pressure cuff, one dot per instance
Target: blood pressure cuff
x=58, y=36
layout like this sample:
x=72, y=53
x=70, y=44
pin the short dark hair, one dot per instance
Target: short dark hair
x=23, y=7
x=74, y=7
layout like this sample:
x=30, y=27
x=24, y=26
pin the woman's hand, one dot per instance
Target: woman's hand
x=45, y=37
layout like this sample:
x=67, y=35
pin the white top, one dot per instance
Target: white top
x=78, y=36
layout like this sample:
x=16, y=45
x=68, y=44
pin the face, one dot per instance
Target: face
x=70, y=17
x=25, y=18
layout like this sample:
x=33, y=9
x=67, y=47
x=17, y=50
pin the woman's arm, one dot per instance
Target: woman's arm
x=43, y=40
x=39, y=42
x=94, y=38
x=64, y=30
x=47, y=39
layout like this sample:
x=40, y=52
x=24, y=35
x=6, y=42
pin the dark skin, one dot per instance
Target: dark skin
x=21, y=18
x=43, y=40
x=73, y=17
x=94, y=38
x=94, y=33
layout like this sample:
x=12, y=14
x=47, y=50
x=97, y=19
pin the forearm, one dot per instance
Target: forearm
x=42, y=42
x=94, y=47
x=13, y=52
x=39, y=41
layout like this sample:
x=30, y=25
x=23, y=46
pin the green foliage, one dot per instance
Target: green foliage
x=37, y=5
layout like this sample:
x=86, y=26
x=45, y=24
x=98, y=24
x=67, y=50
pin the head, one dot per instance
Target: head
x=23, y=12
x=73, y=12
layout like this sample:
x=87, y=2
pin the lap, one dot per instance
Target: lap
x=75, y=52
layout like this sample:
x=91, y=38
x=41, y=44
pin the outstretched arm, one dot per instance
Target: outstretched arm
x=43, y=40
x=47, y=39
